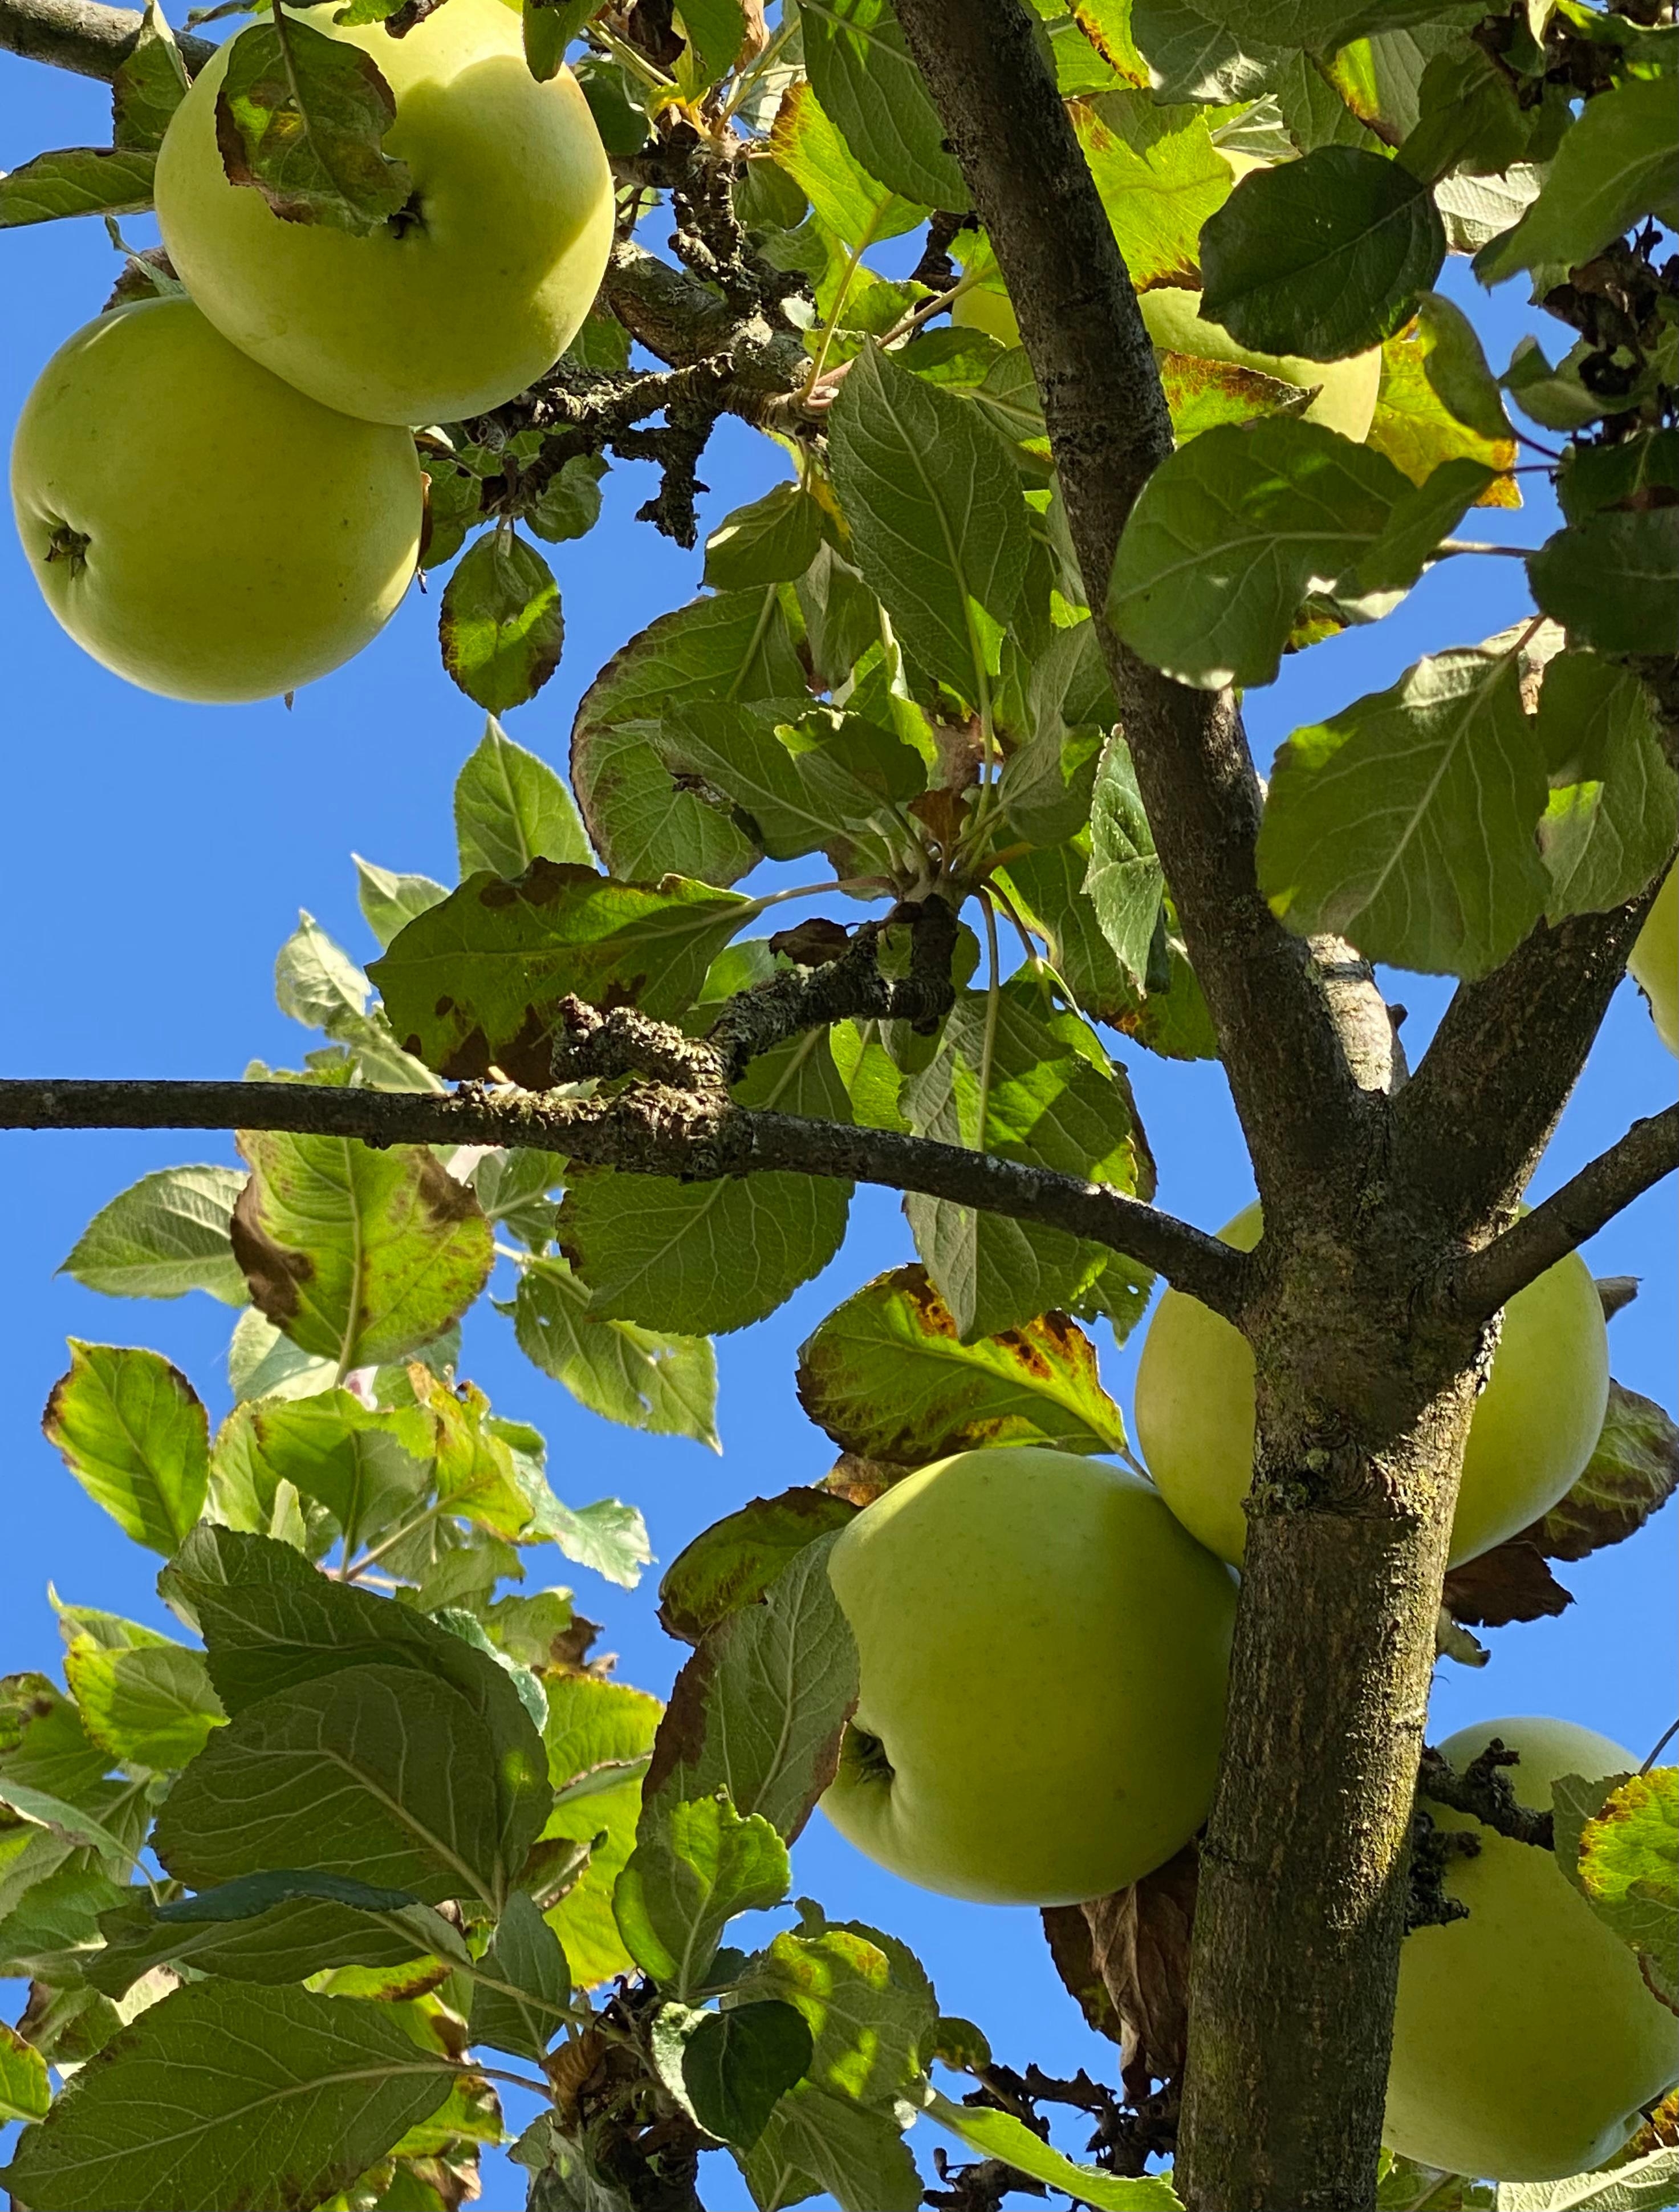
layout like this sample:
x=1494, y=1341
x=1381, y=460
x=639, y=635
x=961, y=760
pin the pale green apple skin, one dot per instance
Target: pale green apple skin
x=1524, y=2041
x=427, y=321
x=241, y=540
x=1346, y=402
x=1654, y=964
x=1044, y=1661
x=1536, y=1425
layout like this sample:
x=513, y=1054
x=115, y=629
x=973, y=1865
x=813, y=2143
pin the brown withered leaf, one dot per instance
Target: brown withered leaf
x=1508, y=1584
x=813, y=942
x=1616, y=1292
x=1140, y=1944
x=1072, y=1948
x=863, y=1480
x=733, y=1563
x=1632, y=1474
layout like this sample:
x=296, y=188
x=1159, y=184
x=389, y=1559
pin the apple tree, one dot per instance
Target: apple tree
x=1168, y=390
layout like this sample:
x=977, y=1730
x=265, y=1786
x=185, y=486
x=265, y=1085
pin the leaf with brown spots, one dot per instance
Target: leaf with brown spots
x=360, y=1256
x=475, y=982
x=731, y=1564
x=1616, y=1841
x=887, y=1377
x=500, y=625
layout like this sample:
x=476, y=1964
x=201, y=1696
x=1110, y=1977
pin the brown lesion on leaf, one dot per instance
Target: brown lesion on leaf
x=681, y=1732
x=274, y=1274
x=442, y=1199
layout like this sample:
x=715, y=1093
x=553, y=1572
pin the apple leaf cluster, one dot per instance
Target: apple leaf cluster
x=382, y=1826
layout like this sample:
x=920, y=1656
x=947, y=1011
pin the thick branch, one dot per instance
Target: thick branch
x=1561, y=1222
x=80, y=35
x=653, y=1129
x=1296, y=1066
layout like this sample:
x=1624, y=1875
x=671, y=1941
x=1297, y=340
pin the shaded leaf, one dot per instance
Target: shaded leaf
x=525, y=1952
x=360, y=1255
x=475, y=983
x=864, y=1997
x=732, y=1564
x=1645, y=2184
x=79, y=181
x=1613, y=815
x=151, y=1706
x=1407, y=821
x=599, y=1732
x=164, y=1235
x=1632, y=1473
x=1160, y=178
x=134, y=1433
x=862, y=73
x=1001, y=2135
x=512, y=809
x=665, y=1384
x=499, y=624
x=1613, y=166
x=800, y=775
x=271, y=1928
x=696, y=1864
x=276, y=2098
x=1125, y=881
x=570, y=505
x=390, y=902
x=772, y=541
x=1321, y=257
x=1618, y=1841
x=1613, y=580
x=759, y=1710
x=301, y=117
x=814, y=2142
x=25, y=2092
x=149, y=83
x=887, y=1375
x=738, y=2064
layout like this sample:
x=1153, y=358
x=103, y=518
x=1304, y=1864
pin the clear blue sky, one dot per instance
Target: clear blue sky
x=158, y=856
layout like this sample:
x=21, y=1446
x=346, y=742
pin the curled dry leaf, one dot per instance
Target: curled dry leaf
x=1508, y=1584
x=1131, y=1976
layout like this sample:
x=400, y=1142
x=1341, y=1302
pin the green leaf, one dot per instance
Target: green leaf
x=736, y=646
x=525, y=1952
x=1555, y=398
x=1202, y=394
x=1613, y=815
x=1054, y=1102
x=864, y=1997
x=1232, y=534
x=301, y=117
x=270, y=1927
x=151, y=1706
x=1001, y=2135
x=938, y=525
x=664, y=1384
x=370, y=1470
x=1613, y=580
x=841, y=616
x=736, y=2064
x=81, y=1830
x=25, y=2092
x=599, y=1733
x=887, y=1377
x=1457, y=368
x=500, y=625
x=759, y=1710
x=772, y=541
x=799, y=776
x=1403, y=2183
x=476, y=983
x=315, y=980
x=162, y=1236
x=275, y=2097
x=1193, y=55
x=1125, y=882
x=704, y=1258
x=1413, y=426
x=79, y=181
x=1613, y=166
x=1616, y=1840
x=814, y=2142
x=1406, y=822
x=512, y=809
x=382, y=1773
x=858, y=208
x=1426, y=515
x=1631, y=1474
x=732, y=1564
x=609, y=1536
x=1645, y=2184
x=570, y=505
x=359, y=1256
x=1322, y=256
x=134, y=1435
x=149, y=83
x=515, y=1186
x=1159, y=177
x=695, y=1865
x=713, y=30
x=861, y=71
x=390, y=902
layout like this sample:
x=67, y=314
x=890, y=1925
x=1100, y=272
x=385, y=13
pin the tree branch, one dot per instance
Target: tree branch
x=82, y=36
x=1559, y=1224
x=1483, y=1791
x=1296, y=1064
x=653, y=1129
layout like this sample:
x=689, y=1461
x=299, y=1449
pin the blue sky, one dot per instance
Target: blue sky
x=158, y=856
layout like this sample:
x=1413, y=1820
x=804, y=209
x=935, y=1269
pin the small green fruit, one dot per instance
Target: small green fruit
x=1536, y=1425
x=1043, y=1657
x=197, y=525
x=1524, y=2042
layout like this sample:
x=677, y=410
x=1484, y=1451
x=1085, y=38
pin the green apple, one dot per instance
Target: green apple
x=196, y=525
x=467, y=296
x=1524, y=2041
x=1536, y=1425
x=1043, y=1657
x=1346, y=401
x=1654, y=965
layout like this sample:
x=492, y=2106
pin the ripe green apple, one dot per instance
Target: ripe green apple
x=1346, y=402
x=1536, y=1425
x=1524, y=2041
x=197, y=525
x=1044, y=1656
x=458, y=302
x=1654, y=965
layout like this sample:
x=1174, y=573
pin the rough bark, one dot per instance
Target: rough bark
x=83, y=36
